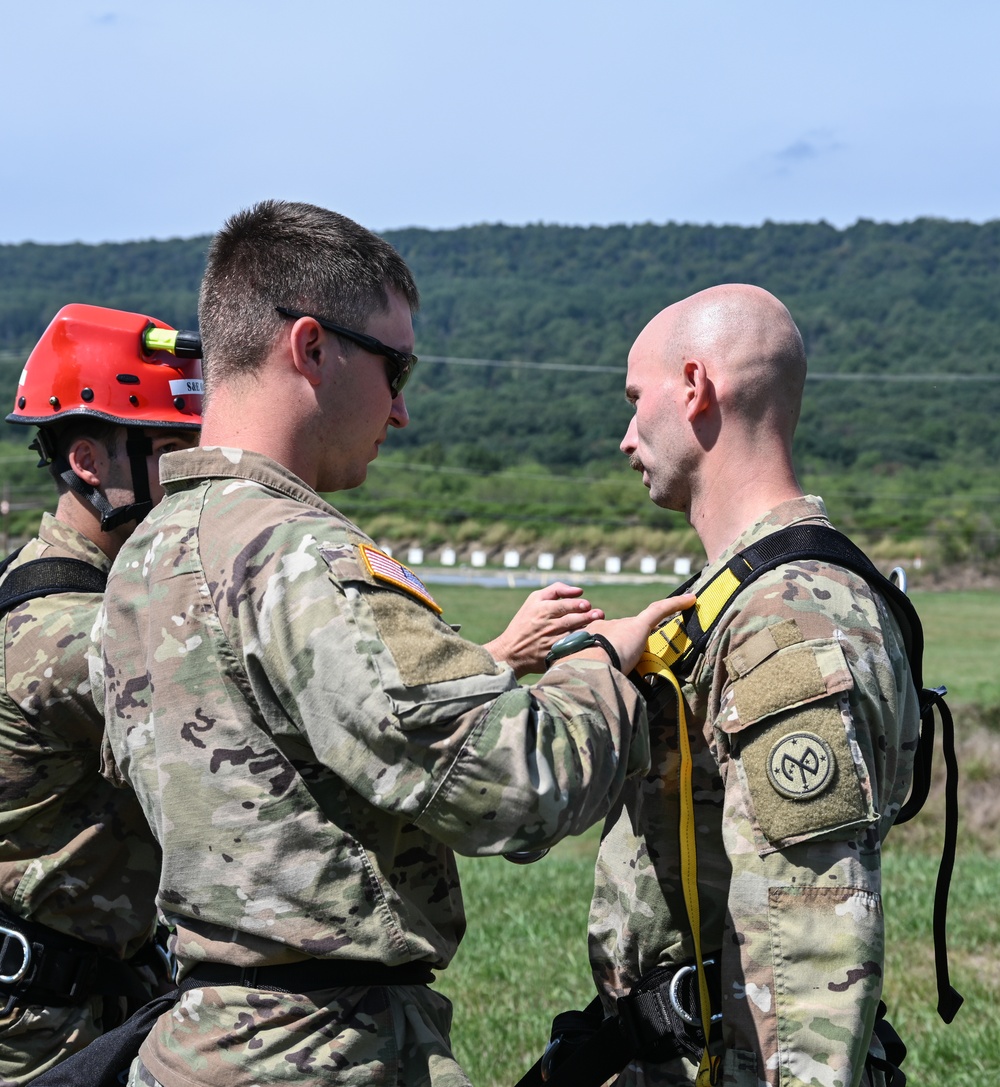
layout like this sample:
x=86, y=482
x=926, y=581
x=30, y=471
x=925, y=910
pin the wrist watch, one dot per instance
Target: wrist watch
x=577, y=641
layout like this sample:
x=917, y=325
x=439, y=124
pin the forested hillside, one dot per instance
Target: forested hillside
x=901, y=322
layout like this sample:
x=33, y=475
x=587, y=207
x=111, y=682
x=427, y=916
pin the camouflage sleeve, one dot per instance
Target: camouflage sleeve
x=811, y=695
x=426, y=725
x=49, y=725
x=75, y=855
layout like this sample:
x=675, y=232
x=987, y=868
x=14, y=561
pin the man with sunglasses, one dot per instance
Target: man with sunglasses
x=308, y=739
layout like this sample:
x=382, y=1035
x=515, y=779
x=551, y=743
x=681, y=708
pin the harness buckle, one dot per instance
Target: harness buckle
x=674, y=994
x=10, y=934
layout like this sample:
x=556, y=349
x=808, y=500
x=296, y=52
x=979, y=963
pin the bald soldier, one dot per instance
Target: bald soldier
x=310, y=742
x=800, y=714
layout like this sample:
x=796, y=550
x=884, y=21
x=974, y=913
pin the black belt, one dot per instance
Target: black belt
x=44, y=966
x=656, y=1021
x=311, y=974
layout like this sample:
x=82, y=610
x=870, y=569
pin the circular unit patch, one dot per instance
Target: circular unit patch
x=801, y=765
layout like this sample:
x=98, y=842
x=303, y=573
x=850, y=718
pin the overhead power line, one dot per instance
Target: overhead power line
x=519, y=364
x=581, y=368
x=935, y=378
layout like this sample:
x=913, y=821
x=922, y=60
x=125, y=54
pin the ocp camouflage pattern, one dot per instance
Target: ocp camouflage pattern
x=75, y=853
x=376, y=1036
x=310, y=744
x=789, y=881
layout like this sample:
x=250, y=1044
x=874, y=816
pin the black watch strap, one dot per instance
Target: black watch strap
x=608, y=648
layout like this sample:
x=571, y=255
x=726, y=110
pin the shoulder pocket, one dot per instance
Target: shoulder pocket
x=407, y=620
x=778, y=670
x=791, y=737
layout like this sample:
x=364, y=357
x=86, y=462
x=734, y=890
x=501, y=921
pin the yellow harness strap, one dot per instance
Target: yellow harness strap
x=668, y=644
x=664, y=649
x=708, y=1070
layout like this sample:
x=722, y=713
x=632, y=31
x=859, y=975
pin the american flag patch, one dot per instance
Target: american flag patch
x=385, y=568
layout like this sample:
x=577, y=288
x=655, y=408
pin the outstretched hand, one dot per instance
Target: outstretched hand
x=545, y=616
x=629, y=636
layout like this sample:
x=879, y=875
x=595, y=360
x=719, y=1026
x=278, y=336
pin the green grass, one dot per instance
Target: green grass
x=962, y=635
x=524, y=958
x=961, y=629
x=966, y=1052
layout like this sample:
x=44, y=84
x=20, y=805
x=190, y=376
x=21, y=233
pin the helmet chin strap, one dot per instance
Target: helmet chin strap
x=138, y=446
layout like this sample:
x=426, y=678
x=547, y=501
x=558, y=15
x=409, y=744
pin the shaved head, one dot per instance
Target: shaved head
x=750, y=342
x=716, y=385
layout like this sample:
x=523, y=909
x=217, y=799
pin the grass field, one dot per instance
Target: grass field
x=524, y=957
x=961, y=629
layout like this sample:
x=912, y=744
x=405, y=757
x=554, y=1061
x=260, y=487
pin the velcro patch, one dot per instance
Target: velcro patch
x=425, y=649
x=790, y=677
x=385, y=568
x=801, y=777
x=765, y=643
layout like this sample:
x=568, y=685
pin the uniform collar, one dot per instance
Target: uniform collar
x=188, y=466
x=795, y=511
x=58, y=534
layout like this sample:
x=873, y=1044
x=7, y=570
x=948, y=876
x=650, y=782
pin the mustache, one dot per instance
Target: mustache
x=635, y=464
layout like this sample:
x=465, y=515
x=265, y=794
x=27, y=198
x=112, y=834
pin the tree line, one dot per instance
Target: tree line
x=901, y=324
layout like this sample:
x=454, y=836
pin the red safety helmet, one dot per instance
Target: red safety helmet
x=121, y=367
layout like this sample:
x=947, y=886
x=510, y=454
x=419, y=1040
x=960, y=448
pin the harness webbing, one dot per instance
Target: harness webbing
x=708, y=1068
x=673, y=650
x=43, y=577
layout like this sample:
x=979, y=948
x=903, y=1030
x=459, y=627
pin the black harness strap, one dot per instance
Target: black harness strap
x=595, y=1046
x=40, y=965
x=44, y=577
x=310, y=975
x=797, y=543
x=657, y=1021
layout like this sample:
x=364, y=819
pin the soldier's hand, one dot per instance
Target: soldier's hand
x=545, y=616
x=629, y=636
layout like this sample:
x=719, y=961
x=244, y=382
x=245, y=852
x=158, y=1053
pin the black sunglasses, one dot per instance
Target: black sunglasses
x=400, y=363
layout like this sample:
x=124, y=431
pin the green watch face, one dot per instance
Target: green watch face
x=571, y=643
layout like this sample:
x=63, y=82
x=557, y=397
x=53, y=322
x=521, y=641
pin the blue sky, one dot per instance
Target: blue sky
x=140, y=118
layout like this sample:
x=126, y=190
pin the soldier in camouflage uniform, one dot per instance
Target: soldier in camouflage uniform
x=78, y=865
x=309, y=740
x=788, y=865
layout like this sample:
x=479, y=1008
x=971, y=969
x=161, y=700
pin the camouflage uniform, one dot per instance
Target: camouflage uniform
x=310, y=742
x=789, y=883
x=75, y=853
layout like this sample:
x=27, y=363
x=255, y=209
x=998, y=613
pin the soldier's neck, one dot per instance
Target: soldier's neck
x=74, y=511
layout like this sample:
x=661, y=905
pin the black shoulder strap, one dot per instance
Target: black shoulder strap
x=793, y=544
x=682, y=640
x=43, y=577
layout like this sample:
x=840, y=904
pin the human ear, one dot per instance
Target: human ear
x=308, y=343
x=697, y=389
x=84, y=459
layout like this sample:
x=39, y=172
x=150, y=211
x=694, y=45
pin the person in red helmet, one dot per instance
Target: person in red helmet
x=109, y=392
